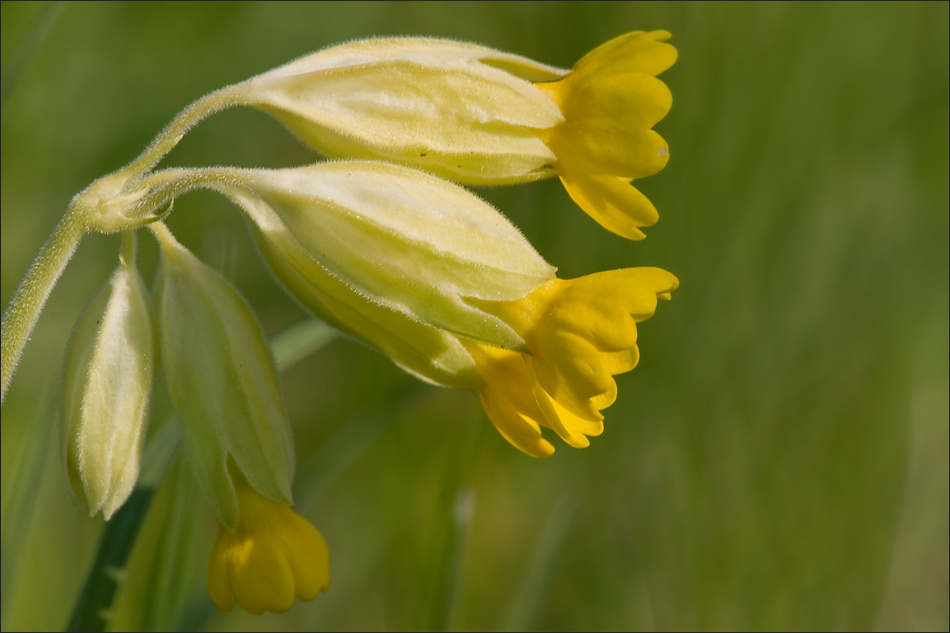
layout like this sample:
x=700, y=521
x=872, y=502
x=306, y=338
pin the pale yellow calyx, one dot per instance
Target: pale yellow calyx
x=397, y=237
x=108, y=384
x=427, y=352
x=463, y=111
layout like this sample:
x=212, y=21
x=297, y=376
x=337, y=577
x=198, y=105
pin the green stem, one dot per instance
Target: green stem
x=32, y=293
x=93, y=609
x=163, y=235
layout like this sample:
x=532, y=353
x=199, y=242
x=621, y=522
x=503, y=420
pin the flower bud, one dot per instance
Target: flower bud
x=223, y=381
x=463, y=111
x=394, y=237
x=272, y=557
x=108, y=382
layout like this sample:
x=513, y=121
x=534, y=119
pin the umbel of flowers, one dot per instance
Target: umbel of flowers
x=381, y=244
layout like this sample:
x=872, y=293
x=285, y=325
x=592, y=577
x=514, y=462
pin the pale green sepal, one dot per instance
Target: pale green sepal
x=405, y=239
x=462, y=111
x=107, y=386
x=223, y=381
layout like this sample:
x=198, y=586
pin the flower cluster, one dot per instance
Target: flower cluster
x=385, y=244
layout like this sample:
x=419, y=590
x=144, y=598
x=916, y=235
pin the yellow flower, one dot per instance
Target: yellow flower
x=478, y=116
x=610, y=102
x=271, y=557
x=580, y=332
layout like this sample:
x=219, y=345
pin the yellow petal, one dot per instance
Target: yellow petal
x=610, y=102
x=219, y=580
x=636, y=51
x=622, y=102
x=508, y=399
x=309, y=565
x=612, y=202
x=571, y=428
x=603, y=149
x=581, y=333
x=260, y=575
x=569, y=369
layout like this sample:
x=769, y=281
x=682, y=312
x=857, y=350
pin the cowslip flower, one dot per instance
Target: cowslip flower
x=348, y=238
x=479, y=116
x=224, y=385
x=272, y=556
x=580, y=333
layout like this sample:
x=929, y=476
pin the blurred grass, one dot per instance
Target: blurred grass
x=779, y=460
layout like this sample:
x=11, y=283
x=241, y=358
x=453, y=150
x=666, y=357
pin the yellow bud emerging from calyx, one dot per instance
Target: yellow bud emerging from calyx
x=223, y=381
x=108, y=382
x=271, y=557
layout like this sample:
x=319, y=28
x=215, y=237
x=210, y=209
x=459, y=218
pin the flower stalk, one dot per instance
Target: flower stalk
x=21, y=315
x=169, y=137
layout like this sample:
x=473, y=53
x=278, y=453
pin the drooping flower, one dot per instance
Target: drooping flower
x=223, y=381
x=482, y=117
x=272, y=556
x=388, y=254
x=580, y=333
x=443, y=284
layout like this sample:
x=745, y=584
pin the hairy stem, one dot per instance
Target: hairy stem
x=169, y=137
x=31, y=295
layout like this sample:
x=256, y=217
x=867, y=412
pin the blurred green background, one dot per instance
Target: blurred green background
x=778, y=460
